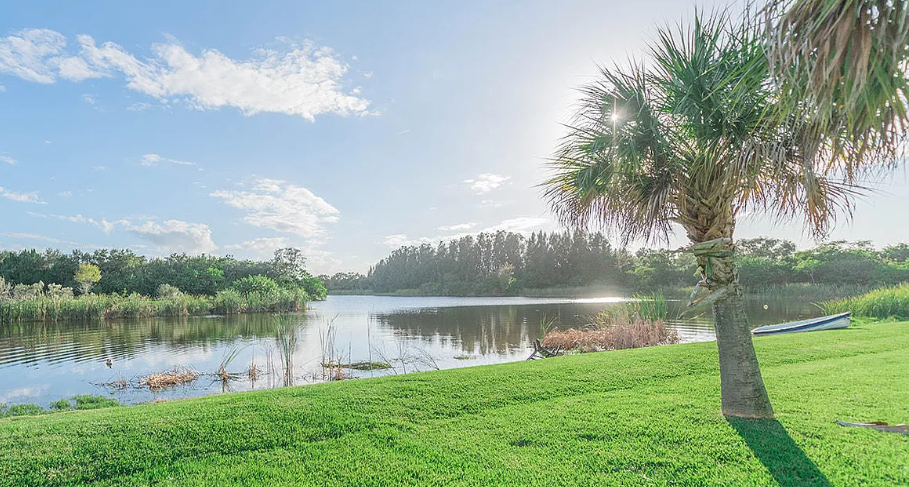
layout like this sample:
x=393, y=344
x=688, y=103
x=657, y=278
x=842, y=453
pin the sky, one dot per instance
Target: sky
x=346, y=129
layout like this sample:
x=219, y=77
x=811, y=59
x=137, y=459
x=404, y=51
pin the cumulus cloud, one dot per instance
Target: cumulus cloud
x=175, y=236
x=150, y=160
x=39, y=55
x=281, y=206
x=486, y=182
x=304, y=79
x=7, y=159
x=22, y=197
x=457, y=228
x=523, y=225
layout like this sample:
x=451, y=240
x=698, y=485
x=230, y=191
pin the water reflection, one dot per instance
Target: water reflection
x=42, y=362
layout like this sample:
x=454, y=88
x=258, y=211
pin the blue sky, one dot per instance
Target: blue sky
x=343, y=128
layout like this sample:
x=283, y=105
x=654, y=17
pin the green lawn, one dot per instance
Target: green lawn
x=633, y=417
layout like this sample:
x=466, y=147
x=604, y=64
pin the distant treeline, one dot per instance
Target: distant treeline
x=507, y=263
x=124, y=272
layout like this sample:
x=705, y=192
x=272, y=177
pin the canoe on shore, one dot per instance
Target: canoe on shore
x=831, y=322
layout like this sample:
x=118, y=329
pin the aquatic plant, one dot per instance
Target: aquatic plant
x=613, y=337
x=888, y=302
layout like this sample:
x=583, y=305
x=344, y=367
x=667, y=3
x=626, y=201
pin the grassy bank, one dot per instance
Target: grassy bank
x=635, y=417
x=888, y=302
x=114, y=306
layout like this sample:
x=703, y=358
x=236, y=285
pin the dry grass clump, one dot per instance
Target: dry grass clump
x=169, y=378
x=613, y=329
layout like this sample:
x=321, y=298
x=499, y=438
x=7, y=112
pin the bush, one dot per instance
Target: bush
x=261, y=285
x=166, y=291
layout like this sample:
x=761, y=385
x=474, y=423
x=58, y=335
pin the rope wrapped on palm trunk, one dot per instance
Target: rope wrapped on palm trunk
x=718, y=247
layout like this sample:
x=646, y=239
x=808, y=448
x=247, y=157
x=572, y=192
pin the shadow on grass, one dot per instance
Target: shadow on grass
x=772, y=445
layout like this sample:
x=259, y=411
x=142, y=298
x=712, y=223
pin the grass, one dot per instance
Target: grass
x=75, y=403
x=888, y=302
x=109, y=307
x=634, y=417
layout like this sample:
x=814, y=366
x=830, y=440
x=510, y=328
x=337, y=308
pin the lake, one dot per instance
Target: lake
x=43, y=362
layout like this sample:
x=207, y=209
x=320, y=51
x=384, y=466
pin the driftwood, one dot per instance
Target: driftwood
x=889, y=428
x=539, y=351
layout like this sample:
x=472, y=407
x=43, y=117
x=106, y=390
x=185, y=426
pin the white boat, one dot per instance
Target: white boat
x=831, y=322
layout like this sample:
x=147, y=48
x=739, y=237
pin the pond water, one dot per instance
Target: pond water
x=44, y=362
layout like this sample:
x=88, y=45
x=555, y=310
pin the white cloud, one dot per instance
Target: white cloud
x=304, y=79
x=523, y=225
x=154, y=159
x=65, y=194
x=486, y=182
x=22, y=197
x=282, y=207
x=262, y=245
x=139, y=106
x=2, y=88
x=168, y=236
x=399, y=240
x=458, y=227
x=8, y=160
x=175, y=236
x=99, y=168
x=90, y=99
x=42, y=238
x=104, y=225
x=38, y=55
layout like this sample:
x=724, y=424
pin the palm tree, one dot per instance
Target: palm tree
x=692, y=139
x=846, y=62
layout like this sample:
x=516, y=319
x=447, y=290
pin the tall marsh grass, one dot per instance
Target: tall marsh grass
x=888, y=302
x=108, y=307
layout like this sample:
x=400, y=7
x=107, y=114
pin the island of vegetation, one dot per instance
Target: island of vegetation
x=108, y=284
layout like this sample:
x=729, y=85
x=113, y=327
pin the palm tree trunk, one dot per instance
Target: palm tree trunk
x=742, y=387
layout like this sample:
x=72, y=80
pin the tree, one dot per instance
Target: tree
x=87, y=275
x=845, y=65
x=288, y=265
x=688, y=140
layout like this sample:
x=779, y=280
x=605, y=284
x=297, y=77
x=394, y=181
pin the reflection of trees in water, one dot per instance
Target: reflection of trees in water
x=481, y=329
x=25, y=343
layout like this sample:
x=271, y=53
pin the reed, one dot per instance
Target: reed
x=107, y=307
x=613, y=337
x=888, y=302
